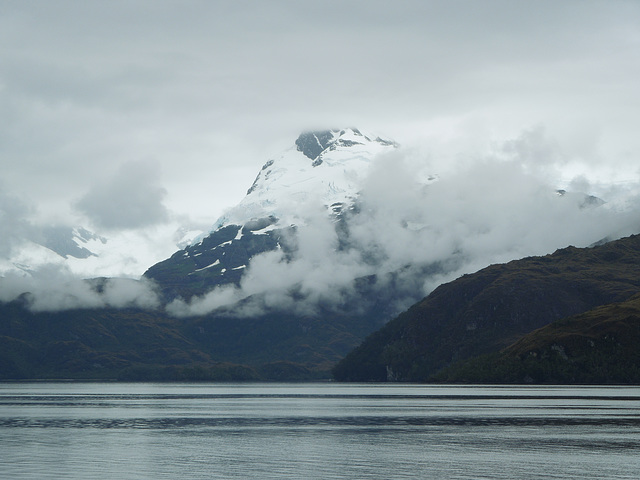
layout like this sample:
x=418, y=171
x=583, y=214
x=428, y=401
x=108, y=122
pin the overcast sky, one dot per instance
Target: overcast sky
x=125, y=114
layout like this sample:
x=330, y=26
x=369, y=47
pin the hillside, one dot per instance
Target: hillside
x=493, y=308
x=599, y=346
x=87, y=343
x=151, y=345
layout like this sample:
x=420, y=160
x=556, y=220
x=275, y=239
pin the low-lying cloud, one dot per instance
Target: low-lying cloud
x=53, y=288
x=414, y=235
x=407, y=233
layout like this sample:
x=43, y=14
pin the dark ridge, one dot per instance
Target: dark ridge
x=489, y=310
x=596, y=347
x=312, y=144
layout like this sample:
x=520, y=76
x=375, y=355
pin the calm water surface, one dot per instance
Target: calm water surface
x=317, y=431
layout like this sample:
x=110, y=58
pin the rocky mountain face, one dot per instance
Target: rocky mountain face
x=489, y=310
x=219, y=259
x=69, y=242
x=51, y=244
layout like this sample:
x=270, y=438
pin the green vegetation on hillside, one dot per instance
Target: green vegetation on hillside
x=489, y=310
x=600, y=346
x=150, y=345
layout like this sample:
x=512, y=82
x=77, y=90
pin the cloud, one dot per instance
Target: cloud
x=53, y=288
x=132, y=198
x=414, y=235
x=409, y=232
x=318, y=274
x=14, y=223
x=209, y=87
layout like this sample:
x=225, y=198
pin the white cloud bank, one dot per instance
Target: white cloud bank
x=52, y=288
x=410, y=233
x=493, y=209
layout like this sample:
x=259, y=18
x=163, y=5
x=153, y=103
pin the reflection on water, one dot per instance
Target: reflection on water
x=317, y=431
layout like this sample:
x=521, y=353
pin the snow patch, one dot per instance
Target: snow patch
x=217, y=262
x=289, y=180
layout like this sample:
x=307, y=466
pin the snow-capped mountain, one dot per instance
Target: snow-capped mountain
x=340, y=219
x=322, y=172
x=323, y=168
x=334, y=238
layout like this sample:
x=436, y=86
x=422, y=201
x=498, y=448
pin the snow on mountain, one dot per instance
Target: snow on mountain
x=326, y=168
x=312, y=182
x=87, y=255
x=69, y=242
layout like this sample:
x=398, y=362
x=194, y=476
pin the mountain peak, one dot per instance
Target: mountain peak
x=323, y=165
x=314, y=143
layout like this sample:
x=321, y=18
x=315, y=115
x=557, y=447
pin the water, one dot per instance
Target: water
x=317, y=431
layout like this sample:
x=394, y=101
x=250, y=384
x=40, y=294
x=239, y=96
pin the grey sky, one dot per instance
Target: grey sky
x=203, y=92
x=130, y=199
